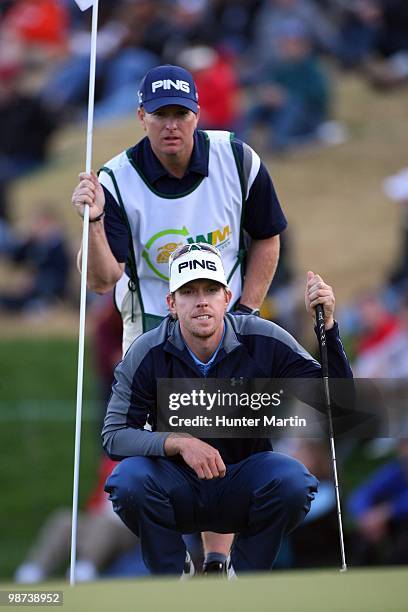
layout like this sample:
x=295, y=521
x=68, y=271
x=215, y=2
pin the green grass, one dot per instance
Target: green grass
x=380, y=590
x=37, y=428
x=40, y=369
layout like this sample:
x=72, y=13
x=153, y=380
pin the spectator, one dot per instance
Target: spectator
x=42, y=25
x=131, y=40
x=394, y=32
x=101, y=538
x=106, y=346
x=67, y=85
x=273, y=17
x=379, y=507
x=360, y=22
x=229, y=25
x=44, y=249
x=217, y=85
x=379, y=328
x=383, y=352
x=293, y=92
x=25, y=129
x=374, y=34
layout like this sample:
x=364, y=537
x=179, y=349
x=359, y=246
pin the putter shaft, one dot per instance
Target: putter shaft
x=325, y=374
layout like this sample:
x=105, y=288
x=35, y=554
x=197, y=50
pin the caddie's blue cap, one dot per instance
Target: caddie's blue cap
x=166, y=85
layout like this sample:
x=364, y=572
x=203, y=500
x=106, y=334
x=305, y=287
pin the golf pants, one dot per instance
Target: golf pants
x=260, y=499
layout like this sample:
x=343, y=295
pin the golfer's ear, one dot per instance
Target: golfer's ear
x=228, y=297
x=171, y=303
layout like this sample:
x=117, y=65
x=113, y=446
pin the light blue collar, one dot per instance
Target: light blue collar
x=204, y=367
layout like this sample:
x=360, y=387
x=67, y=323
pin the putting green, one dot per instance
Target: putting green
x=382, y=590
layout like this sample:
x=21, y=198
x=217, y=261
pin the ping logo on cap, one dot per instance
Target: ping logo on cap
x=169, y=84
x=193, y=264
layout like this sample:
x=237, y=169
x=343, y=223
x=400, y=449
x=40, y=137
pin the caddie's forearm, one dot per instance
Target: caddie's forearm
x=263, y=258
x=103, y=269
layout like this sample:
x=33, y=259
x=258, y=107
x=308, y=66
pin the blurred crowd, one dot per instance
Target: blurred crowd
x=276, y=51
x=263, y=69
x=256, y=63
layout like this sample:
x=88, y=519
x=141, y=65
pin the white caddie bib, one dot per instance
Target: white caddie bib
x=210, y=212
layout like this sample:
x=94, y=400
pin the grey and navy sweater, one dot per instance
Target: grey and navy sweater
x=252, y=348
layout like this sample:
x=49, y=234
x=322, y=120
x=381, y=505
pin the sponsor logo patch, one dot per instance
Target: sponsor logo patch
x=197, y=263
x=159, y=246
x=169, y=84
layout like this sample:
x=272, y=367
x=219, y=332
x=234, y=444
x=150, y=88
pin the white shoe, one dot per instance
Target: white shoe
x=189, y=569
x=85, y=571
x=29, y=573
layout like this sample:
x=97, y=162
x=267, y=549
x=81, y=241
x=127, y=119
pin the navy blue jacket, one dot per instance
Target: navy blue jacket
x=252, y=348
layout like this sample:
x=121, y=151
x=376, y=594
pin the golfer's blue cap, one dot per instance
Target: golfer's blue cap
x=166, y=85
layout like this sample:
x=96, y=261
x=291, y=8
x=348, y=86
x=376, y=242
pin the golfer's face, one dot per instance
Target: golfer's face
x=170, y=129
x=200, y=307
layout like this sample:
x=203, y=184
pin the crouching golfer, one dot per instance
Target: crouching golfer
x=168, y=484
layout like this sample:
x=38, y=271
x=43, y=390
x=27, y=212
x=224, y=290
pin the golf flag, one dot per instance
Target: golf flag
x=84, y=4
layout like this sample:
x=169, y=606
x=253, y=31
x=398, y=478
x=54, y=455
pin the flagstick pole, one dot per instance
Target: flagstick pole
x=82, y=312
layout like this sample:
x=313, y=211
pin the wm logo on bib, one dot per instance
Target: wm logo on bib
x=160, y=246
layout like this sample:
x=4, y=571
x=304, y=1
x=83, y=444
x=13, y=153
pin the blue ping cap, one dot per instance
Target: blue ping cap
x=166, y=85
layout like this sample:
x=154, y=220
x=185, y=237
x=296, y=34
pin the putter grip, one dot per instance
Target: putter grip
x=321, y=333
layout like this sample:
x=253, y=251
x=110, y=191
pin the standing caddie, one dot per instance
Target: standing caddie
x=178, y=185
x=167, y=484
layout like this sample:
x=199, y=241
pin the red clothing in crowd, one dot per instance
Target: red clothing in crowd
x=38, y=21
x=218, y=95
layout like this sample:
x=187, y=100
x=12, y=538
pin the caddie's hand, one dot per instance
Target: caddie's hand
x=318, y=292
x=89, y=191
x=204, y=459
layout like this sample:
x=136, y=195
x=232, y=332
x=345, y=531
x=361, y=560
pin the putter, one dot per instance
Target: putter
x=325, y=375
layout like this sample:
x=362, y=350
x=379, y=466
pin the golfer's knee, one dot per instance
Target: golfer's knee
x=126, y=484
x=298, y=491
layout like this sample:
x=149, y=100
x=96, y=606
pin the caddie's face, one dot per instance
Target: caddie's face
x=170, y=129
x=200, y=306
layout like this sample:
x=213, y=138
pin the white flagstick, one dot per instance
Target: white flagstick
x=82, y=312
x=84, y=4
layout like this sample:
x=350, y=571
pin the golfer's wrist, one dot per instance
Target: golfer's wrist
x=175, y=443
